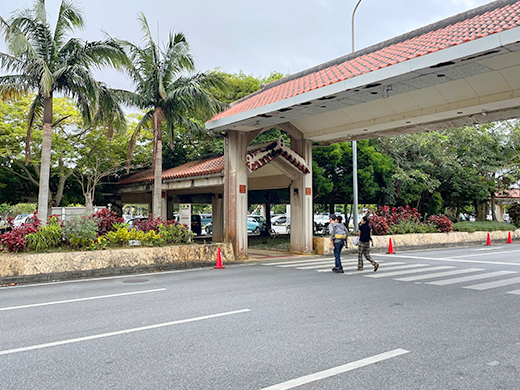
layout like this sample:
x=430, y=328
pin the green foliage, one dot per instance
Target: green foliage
x=46, y=237
x=241, y=85
x=514, y=214
x=79, y=232
x=481, y=226
x=23, y=208
x=409, y=227
x=122, y=236
x=175, y=234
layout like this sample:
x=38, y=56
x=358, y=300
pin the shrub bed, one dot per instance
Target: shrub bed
x=101, y=230
x=482, y=226
x=406, y=220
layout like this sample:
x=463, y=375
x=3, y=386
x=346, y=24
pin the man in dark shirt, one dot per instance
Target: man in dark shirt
x=364, y=244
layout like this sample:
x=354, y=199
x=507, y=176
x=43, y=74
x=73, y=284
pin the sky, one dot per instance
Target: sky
x=255, y=36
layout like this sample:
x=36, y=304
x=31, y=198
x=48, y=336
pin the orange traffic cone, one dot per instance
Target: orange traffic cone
x=488, y=240
x=509, y=241
x=390, y=248
x=219, y=260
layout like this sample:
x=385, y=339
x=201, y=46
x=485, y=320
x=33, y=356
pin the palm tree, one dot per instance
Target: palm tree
x=168, y=91
x=44, y=62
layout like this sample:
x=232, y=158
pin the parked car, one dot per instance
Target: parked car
x=21, y=219
x=252, y=226
x=260, y=220
x=205, y=219
x=131, y=222
x=321, y=224
x=279, y=220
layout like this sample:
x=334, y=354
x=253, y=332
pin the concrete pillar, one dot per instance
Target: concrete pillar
x=301, y=201
x=235, y=195
x=499, y=212
x=217, y=219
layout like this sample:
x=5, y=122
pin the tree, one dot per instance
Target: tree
x=43, y=61
x=168, y=92
x=333, y=179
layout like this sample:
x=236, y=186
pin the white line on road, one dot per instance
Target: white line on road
x=406, y=272
x=451, y=259
x=80, y=299
x=276, y=263
x=495, y=284
x=336, y=370
x=438, y=274
x=120, y=332
x=470, y=278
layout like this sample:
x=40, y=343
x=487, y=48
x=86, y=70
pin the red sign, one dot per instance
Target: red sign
x=307, y=190
x=242, y=189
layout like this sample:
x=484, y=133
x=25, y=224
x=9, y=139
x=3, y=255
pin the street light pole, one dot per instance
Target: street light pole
x=354, y=150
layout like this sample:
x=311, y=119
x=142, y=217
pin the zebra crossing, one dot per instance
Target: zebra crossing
x=438, y=275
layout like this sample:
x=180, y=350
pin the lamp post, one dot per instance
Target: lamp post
x=354, y=149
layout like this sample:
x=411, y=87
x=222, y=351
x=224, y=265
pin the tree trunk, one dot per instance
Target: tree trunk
x=89, y=203
x=157, y=168
x=45, y=167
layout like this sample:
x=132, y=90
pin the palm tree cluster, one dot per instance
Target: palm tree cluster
x=45, y=61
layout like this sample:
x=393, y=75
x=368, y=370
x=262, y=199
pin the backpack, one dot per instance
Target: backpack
x=340, y=231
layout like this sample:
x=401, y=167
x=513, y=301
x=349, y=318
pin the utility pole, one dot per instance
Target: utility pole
x=354, y=150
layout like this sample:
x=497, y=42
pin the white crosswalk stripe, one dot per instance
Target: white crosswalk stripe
x=470, y=278
x=409, y=271
x=297, y=261
x=388, y=266
x=438, y=275
x=399, y=271
x=495, y=284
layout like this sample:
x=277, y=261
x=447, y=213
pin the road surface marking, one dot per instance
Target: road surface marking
x=297, y=261
x=336, y=370
x=516, y=292
x=81, y=299
x=451, y=259
x=389, y=268
x=439, y=274
x=120, y=332
x=495, y=284
x=471, y=278
x=485, y=254
x=405, y=272
x=371, y=269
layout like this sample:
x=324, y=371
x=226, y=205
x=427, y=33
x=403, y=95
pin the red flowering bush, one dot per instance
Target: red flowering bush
x=153, y=224
x=105, y=220
x=442, y=222
x=398, y=220
x=378, y=225
x=14, y=241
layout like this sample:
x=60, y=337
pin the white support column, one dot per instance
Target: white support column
x=235, y=195
x=301, y=202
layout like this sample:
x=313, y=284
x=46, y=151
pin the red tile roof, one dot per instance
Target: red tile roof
x=259, y=157
x=210, y=166
x=513, y=193
x=489, y=19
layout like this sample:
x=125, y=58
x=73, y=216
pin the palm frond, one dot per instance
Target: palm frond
x=145, y=119
x=70, y=18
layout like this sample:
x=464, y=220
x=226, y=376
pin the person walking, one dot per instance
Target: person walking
x=338, y=238
x=364, y=244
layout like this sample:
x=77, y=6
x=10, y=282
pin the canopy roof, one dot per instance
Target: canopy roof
x=461, y=70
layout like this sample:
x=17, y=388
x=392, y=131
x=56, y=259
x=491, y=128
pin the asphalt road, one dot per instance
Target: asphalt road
x=440, y=319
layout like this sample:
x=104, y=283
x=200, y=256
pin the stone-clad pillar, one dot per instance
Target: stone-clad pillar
x=301, y=201
x=235, y=193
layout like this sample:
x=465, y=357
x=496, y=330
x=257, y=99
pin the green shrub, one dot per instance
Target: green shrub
x=409, y=227
x=482, y=226
x=46, y=237
x=175, y=234
x=79, y=232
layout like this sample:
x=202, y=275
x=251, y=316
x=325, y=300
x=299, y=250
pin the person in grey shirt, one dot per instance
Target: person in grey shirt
x=338, y=238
